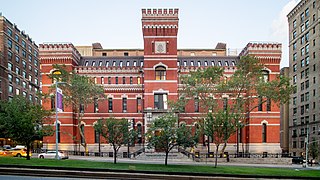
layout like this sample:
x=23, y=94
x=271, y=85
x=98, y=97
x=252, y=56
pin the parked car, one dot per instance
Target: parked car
x=297, y=160
x=5, y=153
x=52, y=155
x=19, y=152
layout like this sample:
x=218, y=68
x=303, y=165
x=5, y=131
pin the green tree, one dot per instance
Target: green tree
x=165, y=134
x=237, y=95
x=23, y=121
x=116, y=132
x=314, y=149
x=78, y=91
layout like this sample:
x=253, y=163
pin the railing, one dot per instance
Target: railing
x=137, y=153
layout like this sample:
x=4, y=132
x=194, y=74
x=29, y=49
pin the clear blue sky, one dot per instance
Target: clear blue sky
x=117, y=24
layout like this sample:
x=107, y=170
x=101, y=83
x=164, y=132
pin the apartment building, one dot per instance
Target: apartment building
x=304, y=62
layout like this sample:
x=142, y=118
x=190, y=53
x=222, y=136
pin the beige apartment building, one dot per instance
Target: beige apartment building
x=304, y=68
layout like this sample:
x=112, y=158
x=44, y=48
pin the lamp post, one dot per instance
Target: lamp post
x=58, y=100
x=307, y=146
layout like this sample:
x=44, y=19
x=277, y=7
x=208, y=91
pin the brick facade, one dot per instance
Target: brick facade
x=148, y=78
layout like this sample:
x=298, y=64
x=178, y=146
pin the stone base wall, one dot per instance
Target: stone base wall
x=286, y=161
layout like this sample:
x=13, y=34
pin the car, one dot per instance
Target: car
x=52, y=155
x=5, y=153
x=19, y=152
x=297, y=160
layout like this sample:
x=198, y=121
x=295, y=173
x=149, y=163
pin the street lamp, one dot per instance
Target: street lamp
x=58, y=99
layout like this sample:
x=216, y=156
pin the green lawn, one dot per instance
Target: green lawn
x=158, y=167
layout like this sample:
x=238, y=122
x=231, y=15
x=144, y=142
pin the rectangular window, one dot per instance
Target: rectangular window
x=268, y=104
x=139, y=104
x=131, y=80
x=16, y=37
x=117, y=80
x=123, y=80
x=307, y=61
x=9, y=31
x=124, y=104
x=307, y=96
x=10, y=78
x=302, y=98
x=109, y=80
x=17, y=81
x=294, y=57
x=294, y=23
x=9, y=44
x=160, y=101
x=196, y=104
x=126, y=54
x=96, y=137
x=225, y=104
x=104, y=54
x=110, y=107
x=95, y=103
x=102, y=80
x=260, y=104
x=294, y=100
x=307, y=84
x=10, y=67
x=17, y=48
x=17, y=59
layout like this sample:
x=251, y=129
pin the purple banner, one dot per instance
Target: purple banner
x=59, y=100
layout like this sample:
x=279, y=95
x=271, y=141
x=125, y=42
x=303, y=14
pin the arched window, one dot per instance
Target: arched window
x=264, y=132
x=265, y=75
x=56, y=74
x=160, y=73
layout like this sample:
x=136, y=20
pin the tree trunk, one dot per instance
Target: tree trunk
x=166, y=159
x=115, y=155
x=224, y=147
x=28, y=151
x=216, y=161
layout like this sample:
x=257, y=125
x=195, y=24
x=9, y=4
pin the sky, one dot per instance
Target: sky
x=117, y=24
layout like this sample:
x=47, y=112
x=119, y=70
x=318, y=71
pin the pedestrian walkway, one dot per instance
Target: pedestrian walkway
x=188, y=162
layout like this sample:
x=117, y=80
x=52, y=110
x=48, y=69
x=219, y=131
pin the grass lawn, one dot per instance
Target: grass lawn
x=161, y=168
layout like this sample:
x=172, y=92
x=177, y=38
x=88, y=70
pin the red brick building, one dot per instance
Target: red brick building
x=139, y=83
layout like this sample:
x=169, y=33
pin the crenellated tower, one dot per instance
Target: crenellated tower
x=160, y=29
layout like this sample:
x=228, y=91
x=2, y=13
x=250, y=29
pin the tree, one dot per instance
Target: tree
x=23, y=121
x=237, y=95
x=314, y=149
x=165, y=134
x=78, y=91
x=219, y=126
x=116, y=132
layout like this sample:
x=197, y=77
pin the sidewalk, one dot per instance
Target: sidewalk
x=190, y=162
